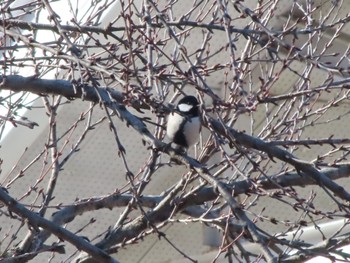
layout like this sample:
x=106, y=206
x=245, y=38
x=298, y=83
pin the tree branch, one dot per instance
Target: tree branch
x=37, y=221
x=65, y=88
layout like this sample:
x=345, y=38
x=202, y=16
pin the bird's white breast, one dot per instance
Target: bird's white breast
x=174, y=122
x=192, y=130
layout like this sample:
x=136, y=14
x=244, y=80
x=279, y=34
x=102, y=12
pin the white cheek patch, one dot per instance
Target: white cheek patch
x=185, y=107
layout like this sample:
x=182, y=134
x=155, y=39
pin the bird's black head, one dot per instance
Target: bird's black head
x=188, y=105
x=189, y=100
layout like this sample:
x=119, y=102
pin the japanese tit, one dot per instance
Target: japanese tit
x=184, y=124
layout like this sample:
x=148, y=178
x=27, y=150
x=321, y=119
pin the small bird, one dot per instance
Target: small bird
x=184, y=124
